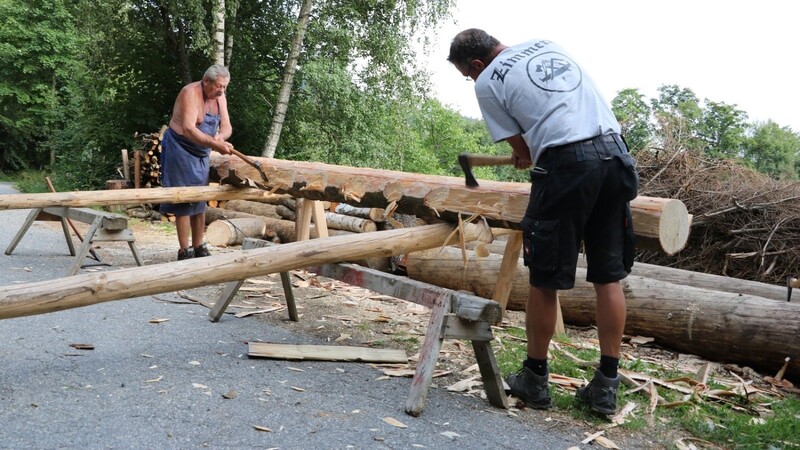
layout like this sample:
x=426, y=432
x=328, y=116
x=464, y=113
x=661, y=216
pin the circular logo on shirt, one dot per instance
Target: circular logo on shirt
x=554, y=72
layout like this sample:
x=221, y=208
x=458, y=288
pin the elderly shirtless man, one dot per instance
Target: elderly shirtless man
x=199, y=124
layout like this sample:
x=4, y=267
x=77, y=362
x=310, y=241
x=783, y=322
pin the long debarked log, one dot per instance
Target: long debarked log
x=721, y=326
x=91, y=288
x=131, y=196
x=502, y=204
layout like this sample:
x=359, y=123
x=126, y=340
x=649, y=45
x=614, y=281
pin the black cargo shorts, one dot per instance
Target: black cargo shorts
x=581, y=194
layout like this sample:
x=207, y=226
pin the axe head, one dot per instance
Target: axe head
x=466, y=166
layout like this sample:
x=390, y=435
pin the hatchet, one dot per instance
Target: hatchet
x=469, y=160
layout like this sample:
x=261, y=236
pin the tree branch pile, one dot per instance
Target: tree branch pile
x=745, y=224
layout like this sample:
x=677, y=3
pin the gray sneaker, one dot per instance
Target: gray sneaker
x=185, y=253
x=201, y=251
x=600, y=394
x=530, y=388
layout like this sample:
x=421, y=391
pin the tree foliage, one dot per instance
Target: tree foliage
x=81, y=77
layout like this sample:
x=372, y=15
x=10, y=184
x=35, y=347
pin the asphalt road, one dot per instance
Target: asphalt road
x=160, y=385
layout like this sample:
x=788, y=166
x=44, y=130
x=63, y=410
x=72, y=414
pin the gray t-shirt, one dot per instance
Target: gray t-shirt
x=536, y=90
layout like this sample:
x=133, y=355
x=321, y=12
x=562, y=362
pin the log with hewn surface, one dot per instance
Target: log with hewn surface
x=130, y=196
x=91, y=288
x=721, y=326
x=502, y=204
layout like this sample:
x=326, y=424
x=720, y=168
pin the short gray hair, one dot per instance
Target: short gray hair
x=216, y=71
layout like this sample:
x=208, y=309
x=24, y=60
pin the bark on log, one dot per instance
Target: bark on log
x=684, y=277
x=502, y=204
x=214, y=214
x=222, y=233
x=349, y=223
x=373, y=214
x=286, y=213
x=251, y=207
x=720, y=326
x=92, y=288
x=130, y=196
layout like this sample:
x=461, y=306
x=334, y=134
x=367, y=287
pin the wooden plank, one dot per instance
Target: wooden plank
x=110, y=221
x=325, y=353
x=466, y=306
x=508, y=269
x=428, y=356
x=490, y=374
x=456, y=328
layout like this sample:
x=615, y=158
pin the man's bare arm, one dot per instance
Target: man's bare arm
x=520, y=152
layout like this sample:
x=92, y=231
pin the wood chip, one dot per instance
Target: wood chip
x=394, y=422
x=157, y=320
x=82, y=346
x=230, y=394
x=264, y=429
x=298, y=389
x=257, y=311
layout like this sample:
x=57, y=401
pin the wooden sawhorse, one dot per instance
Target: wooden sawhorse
x=103, y=226
x=454, y=315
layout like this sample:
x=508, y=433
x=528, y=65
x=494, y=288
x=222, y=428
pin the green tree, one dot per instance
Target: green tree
x=677, y=115
x=722, y=129
x=38, y=45
x=633, y=114
x=774, y=150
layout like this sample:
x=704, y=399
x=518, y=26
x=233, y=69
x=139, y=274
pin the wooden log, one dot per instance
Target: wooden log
x=91, y=288
x=251, y=207
x=502, y=204
x=213, y=214
x=117, y=184
x=222, y=233
x=349, y=223
x=684, y=277
x=721, y=326
x=129, y=196
x=137, y=169
x=286, y=213
x=126, y=173
x=373, y=214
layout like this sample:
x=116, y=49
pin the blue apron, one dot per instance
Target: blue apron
x=184, y=163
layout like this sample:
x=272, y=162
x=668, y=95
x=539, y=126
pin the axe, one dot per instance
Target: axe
x=255, y=163
x=791, y=282
x=468, y=160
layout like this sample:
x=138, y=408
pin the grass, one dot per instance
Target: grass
x=27, y=181
x=704, y=419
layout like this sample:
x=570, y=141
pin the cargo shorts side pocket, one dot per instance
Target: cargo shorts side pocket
x=540, y=244
x=629, y=243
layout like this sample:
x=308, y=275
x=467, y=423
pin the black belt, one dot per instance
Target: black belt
x=607, y=138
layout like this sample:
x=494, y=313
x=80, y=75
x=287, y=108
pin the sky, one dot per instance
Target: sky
x=743, y=53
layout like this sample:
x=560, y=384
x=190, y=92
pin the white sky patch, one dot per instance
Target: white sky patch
x=736, y=52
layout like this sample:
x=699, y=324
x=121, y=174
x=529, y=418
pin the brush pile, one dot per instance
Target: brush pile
x=746, y=225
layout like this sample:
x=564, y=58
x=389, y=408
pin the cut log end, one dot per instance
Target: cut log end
x=674, y=227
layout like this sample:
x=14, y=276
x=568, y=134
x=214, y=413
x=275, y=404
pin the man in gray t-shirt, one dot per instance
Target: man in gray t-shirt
x=539, y=100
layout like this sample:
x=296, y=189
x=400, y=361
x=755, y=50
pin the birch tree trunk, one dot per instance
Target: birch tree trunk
x=232, y=7
x=218, y=37
x=286, y=85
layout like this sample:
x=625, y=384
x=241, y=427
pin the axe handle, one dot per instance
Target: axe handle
x=244, y=157
x=252, y=162
x=489, y=160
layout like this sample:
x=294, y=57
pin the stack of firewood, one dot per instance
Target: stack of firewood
x=148, y=157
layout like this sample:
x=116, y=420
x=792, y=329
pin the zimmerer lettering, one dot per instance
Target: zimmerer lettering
x=499, y=73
